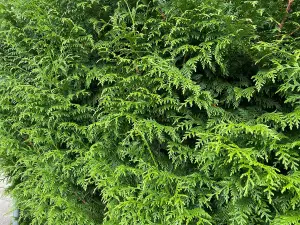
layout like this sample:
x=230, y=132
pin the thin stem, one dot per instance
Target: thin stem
x=297, y=29
x=287, y=11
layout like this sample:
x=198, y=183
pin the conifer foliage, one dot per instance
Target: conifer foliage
x=151, y=112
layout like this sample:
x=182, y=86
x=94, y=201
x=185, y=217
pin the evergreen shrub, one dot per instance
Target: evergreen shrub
x=151, y=112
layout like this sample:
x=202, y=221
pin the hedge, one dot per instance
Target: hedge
x=151, y=112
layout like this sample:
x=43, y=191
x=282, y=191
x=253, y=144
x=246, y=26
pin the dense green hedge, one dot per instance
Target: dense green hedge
x=151, y=112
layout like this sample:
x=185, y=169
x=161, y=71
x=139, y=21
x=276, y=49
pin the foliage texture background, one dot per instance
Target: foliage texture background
x=151, y=112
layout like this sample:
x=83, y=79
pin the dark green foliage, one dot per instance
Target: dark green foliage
x=151, y=112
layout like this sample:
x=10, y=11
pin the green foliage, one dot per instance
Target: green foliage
x=151, y=112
